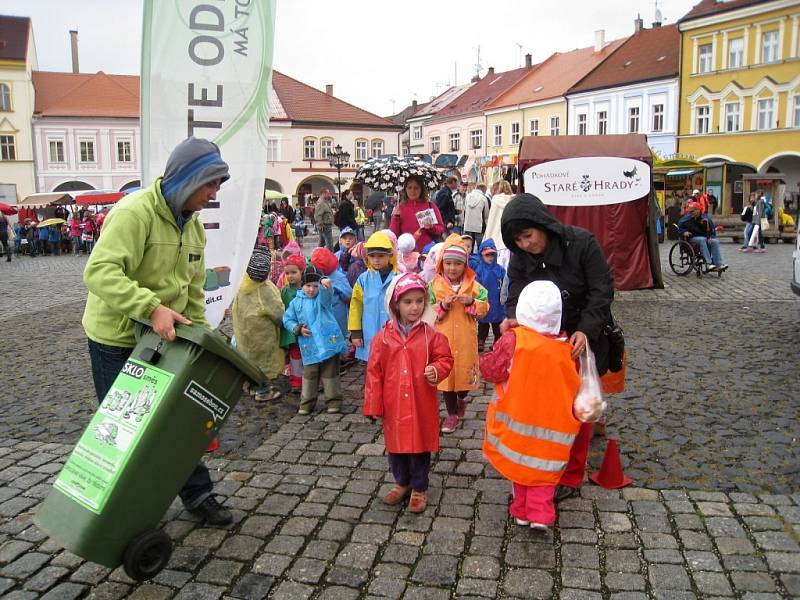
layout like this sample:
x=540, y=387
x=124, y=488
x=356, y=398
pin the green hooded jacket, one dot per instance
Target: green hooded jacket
x=141, y=260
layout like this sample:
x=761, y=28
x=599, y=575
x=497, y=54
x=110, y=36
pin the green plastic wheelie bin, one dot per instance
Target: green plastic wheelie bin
x=165, y=407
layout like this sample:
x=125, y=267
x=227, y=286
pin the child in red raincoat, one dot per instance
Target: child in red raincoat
x=407, y=359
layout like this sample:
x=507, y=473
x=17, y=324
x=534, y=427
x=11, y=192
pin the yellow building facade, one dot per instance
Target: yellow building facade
x=740, y=91
x=506, y=126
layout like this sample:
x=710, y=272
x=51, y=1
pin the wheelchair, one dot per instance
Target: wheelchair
x=685, y=256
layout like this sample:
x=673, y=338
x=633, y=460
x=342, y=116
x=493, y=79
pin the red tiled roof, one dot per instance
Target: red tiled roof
x=705, y=8
x=306, y=104
x=85, y=95
x=482, y=93
x=555, y=76
x=14, y=37
x=647, y=55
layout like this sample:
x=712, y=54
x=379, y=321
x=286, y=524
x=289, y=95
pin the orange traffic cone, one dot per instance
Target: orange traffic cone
x=610, y=475
x=212, y=447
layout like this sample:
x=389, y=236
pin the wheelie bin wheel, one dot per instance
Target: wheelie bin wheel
x=147, y=554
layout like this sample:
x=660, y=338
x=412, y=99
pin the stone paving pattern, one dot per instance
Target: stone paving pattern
x=708, y=429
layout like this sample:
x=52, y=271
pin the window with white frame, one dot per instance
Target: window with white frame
x=8, y=149
x=702, y=119
x=455, y=142
x=436, y=144
x=736, y=53
x=515, y=133
x=555, y=122
x=498, y=135
x=769, y=47
x=704, y=56
x=796, y=112
x=416, y=132
x=124, y=151
x=766, y=113
x=325, y=148
x=5, y=97
x=309, y=149
x=87, y=151
x=658, y=118
x=361, y=149
x=56, y=151
x=273, y=150
x=533, y=127
x=633, y=119
x=377, y=148
x=602, y=122
x=732, y=117
x=476, y=138
x=582, y=123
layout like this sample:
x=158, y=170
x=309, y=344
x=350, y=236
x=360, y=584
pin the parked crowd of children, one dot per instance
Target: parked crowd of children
x=75, y=235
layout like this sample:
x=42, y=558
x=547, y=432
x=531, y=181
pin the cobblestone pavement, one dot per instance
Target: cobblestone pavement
x=707, y=427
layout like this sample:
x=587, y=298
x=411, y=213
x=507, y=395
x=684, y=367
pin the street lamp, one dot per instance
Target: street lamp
x=337, y=159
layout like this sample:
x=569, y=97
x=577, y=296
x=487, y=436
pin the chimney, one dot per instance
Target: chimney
x=491, y=71
x=599, y=39
x=414, y=105
x=329, y=89
x=528, y=61
x=638, y=24
x=73, y=34
x=659, y=18
x=475, y=78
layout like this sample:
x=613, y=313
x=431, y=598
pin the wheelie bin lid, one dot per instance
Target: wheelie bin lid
x=211, y=341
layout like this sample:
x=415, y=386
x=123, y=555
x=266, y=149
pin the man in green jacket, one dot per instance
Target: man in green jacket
x=148, y=264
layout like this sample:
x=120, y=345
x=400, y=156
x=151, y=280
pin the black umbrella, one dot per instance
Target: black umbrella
x=388, y=174
x=374, y=200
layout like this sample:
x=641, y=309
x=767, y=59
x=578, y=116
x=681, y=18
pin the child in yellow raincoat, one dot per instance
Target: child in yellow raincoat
x=257, y=320
x=459, y=301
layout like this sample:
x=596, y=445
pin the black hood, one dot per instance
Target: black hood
x=527, y=207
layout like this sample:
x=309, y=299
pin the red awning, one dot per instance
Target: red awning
x=90, y=199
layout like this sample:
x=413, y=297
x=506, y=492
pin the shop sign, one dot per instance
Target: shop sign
x=588, y=181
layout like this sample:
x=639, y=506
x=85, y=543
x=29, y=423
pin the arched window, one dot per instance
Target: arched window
x=5, y=97
x=377, y=148
x=325, y=147
x=309, y=148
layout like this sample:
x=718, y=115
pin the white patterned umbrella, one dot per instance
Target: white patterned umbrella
x=391, y=173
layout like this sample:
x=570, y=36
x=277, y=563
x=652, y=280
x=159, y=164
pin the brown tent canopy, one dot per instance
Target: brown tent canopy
x=625, y=228
x=46, y=199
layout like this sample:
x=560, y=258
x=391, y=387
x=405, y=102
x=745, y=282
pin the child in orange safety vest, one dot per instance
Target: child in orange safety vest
x=530, y=427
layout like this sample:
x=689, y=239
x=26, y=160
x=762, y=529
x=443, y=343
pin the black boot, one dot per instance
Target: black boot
x=213, y=512
x=563, y=492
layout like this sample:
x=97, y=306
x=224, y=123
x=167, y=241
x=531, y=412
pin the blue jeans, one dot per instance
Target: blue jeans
x=76, y=244
x=712, y=257
x=748, y=231
x=107, y=362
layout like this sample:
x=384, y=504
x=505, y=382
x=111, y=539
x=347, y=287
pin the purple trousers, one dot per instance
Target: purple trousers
x=411, y=469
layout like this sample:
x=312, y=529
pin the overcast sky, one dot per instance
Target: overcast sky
x=379, y=55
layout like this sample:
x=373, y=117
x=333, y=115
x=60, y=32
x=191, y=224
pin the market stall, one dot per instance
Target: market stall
x=602, y=183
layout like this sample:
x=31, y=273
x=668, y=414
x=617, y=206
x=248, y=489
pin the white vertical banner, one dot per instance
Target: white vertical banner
x=206, y=72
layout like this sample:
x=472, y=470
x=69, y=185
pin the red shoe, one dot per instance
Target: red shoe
x=451, y=423
x=418, y=502
x=396, y=495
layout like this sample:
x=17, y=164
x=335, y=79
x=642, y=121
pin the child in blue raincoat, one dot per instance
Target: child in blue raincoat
x=490, y=275
x=324, y=260
x=367, y=306
x=310, y=318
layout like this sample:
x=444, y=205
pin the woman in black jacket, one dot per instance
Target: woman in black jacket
x=346, y=213
x=542, y=248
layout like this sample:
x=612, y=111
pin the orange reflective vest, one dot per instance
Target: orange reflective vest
x=530, y=427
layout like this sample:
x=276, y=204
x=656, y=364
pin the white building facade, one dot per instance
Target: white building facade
x=74, y=154
x=650, y=108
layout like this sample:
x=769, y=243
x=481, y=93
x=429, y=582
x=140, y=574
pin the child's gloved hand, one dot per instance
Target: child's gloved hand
x=430, y=374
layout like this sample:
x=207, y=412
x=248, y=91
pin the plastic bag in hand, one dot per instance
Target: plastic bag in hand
x=589, y=404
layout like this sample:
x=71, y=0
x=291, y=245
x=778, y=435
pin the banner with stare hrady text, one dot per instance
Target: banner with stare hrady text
x=206, y=71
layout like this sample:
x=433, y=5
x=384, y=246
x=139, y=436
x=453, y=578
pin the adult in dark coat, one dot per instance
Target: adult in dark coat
x=286, y=210
x=542, y=248
x=444, y=201
x=346, y=213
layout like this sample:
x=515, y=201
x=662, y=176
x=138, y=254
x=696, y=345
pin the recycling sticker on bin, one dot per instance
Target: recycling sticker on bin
x=93, y=468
